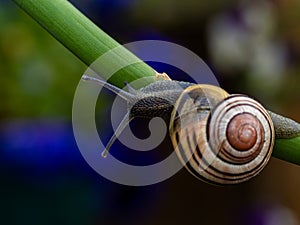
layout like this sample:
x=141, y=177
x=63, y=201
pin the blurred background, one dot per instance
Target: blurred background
x=253, y=47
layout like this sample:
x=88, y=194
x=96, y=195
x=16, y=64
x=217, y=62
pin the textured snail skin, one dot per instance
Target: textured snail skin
x=156, y=99
x=284, y=127
x=220, y=138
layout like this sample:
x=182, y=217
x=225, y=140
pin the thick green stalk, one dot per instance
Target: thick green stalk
x=288, y=150
x=88, y=42
x=82, y=37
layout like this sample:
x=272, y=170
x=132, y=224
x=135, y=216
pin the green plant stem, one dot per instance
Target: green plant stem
x=288, y=150
x=87, y=41
x=82, y=37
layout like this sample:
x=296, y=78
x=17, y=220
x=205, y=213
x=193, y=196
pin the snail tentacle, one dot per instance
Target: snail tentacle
x=125, y=121
x=123, y=94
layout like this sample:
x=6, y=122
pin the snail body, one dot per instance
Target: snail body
x=220, y=138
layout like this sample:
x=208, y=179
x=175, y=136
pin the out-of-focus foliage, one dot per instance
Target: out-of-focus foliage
x=171, y=13
x=254, y=48
x=38, y=75
x=249, y=44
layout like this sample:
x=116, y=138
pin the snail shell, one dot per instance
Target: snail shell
x=221, y=138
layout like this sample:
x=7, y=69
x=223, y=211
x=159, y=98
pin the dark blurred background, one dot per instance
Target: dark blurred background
x=252, y=46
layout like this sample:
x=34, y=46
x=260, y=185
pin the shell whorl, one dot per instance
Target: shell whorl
x=221, y=138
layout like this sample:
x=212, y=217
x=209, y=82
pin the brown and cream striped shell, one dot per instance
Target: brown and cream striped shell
x=221, y=138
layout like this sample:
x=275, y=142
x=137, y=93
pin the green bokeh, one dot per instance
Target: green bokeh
x=38, y=75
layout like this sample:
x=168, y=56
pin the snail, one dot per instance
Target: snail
x=220, y=138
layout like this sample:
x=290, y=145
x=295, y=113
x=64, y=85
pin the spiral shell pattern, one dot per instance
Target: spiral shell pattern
x=221, y=138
